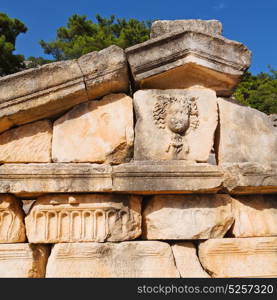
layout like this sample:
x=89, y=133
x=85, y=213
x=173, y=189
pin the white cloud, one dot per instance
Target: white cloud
x=219, y=6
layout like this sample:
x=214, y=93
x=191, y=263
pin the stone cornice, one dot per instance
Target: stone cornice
x=225, y=60
x=137, y=178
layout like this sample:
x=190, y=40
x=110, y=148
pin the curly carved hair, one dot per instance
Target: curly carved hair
x=162, y=103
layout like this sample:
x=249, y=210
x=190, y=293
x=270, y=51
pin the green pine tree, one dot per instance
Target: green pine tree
x=82, y=36
x=259, y=91
x=9, y=30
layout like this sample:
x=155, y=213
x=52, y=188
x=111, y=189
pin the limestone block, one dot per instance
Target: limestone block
x=179, y=60
x=245, y=134
x=250, y=178
x=144, y=177
x=177, y=217
x=56, y=87
x=105, y=72
x=255, y=215
x=235, y=257
x=23, y=260
x=126, y=259
x=27, y=143
x=84, y=218
x=26, y=180
x=95, y=131
x=166, y=177
x=40, y=93
x=175, y=124
x=161, y=27
x=187, y=261
x=12, y=229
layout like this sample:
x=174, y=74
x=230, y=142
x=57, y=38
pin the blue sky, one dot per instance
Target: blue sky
x=252, y=22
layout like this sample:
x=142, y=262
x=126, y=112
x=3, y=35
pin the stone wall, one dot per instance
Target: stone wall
x=138, y=163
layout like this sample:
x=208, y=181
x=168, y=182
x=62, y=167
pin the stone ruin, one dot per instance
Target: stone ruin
x=138, y=163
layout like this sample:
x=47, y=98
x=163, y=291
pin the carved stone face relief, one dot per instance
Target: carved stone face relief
x=177, y=124
x=179, y=115
x=177, y=118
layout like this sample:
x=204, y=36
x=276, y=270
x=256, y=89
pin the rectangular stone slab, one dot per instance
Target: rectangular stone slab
x=54, y=88
x=244, y=134
x=255, y=215
x=151, y=177
x=98, y=131
x=181, y=59
x=112, y=260
x=161, y=27
x=175, y=124
x=26, y=179
x=23, y=260
x=84, y=218
x=105, y=72
x=187, y=261
x=143, y=177
x=40, y=93
x=240, y=257
x=186, y=217
x=250, y=178
x=12, y=227
x=27, y=143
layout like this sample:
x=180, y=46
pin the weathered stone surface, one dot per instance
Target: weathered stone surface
x=250, y=178
x=27, y=143
x=84, y=218
x=175, y=124
x=126, y=259
x=23, y=260
x=182, y=59
x=245, y=257
x=105, y=72
x=245, y=134
x=143, y=177
x=187, y=261
x=255, y=215
x=54, y=88
x=95, y=131
x=12, y=229
x=177, y=217
x=40, y=92
x=166, y=177
x=28, y=179
x=161, y=27
x=273, y=118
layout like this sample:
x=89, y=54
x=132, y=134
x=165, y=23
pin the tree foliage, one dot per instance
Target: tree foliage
x=82, y=36
x=9, y=30
x=259, y=91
